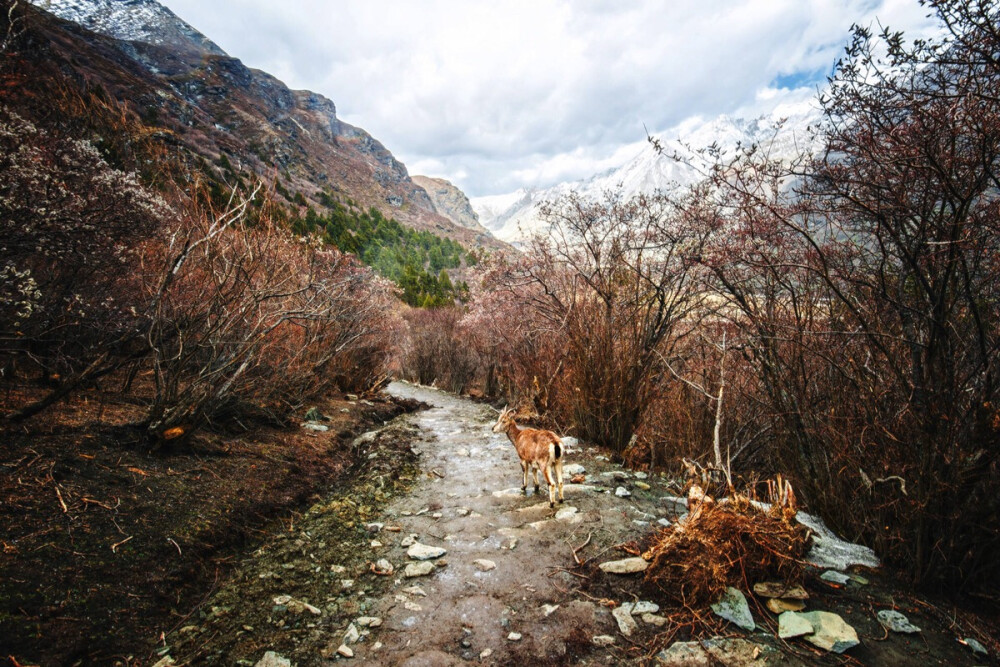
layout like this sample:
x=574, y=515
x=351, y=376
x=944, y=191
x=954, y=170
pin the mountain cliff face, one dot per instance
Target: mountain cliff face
x=450, y=202
x=514, y=217
x=200, y=102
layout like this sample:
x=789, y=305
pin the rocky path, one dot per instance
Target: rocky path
x=498, y=594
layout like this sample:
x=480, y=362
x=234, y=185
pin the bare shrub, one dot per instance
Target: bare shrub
x=437, y=350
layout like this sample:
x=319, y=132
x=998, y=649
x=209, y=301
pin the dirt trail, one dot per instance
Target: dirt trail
x=477, y=511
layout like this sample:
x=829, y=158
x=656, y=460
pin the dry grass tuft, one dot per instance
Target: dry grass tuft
x=733, y=544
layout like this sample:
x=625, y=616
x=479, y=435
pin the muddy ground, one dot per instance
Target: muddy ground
x=508, y=589
x=106, y=546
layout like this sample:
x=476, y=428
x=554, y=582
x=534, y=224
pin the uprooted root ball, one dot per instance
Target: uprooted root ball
x=733, y=544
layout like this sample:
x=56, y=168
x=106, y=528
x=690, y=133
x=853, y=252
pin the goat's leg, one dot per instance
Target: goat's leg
x=559, y=478
x=552, y=487
x=534, y=475
x=524, y=477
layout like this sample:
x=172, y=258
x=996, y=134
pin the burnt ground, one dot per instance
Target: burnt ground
x=106, y=546
x=298, y=584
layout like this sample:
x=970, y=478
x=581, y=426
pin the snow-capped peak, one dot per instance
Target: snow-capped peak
x=144, y=21
x=515, y=216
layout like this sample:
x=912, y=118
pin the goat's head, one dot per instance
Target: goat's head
x=504, y=421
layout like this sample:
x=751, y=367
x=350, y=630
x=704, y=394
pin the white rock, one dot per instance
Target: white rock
x=624, y=566
x=418, y=551
x=573, y=469
x=313, y=426
x=733, y=607
x=352, y=635
x=663, y=522
x=566, y=514
x=420, y=569
x=653, y=619
x=835, y=577
x=897, y=622
x=346, y=583
x=626, y=624
x=603, y=640
x=415, y=590
x=345, y=651
x=368, y=621
x=462, y=451
x=409, y=540
x=484, y=565
x=412, y=606
x=644, y=607
x=548, y=609
x=622, y=492
x=514, y=636
x=641, y=475
x=486, y=652
x=272, y=659
x=974, y=644
x=791, y=624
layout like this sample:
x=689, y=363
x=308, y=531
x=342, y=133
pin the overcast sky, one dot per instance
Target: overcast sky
x=498, y=94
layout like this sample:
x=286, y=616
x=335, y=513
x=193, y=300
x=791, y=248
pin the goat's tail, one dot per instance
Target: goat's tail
x=555, y=450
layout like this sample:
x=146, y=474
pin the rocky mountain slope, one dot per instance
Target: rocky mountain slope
x=513, y=217
x=199, y=102
x=450, y=202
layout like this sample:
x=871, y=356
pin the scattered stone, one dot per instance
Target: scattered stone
x=368, y=621
x=351, y=397
x=272, y=659
x=663, y=522
x=420, y=569
x=338, y=569
x=622, y=492
x=514, y=637
x=642, y=485
x=603, y=640
x=313, y=426
x=364, y=439
x=486, y=652
x=644, y=607
x=718, y=651
x=511, y=545
x=383, y=567
x=409, y=540
x=165, y=661
x=566, y=513
x=641, y=475
x=974, y=644
x=374, y=527
x=675, y=504
x=412, y=606
x=569, y=442
x=626, y=624
x=574, y=469
x=415, y=590
x=418, y=551
x=463, y=511
x=733, y=607
x=346, y=583
x=345, y=651
x=484, y=565
x=859, y=580
x=835, y=578
x=352, y=635
x=781, y=605
x=376, y=646
x=375, y=544
x=776, y=589
x=599, y=457
x=640, y=523
x=654, y=619
x=829, y=631
x=437, y=515
x=897, y=622
x=548, y=609
x=792, y=624
x=624, y=566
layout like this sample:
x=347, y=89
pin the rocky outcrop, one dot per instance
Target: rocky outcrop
x=450, y=202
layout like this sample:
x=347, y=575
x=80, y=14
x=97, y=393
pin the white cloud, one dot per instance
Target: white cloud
x=495, y=95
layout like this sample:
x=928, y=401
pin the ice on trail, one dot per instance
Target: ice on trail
x=829, y=551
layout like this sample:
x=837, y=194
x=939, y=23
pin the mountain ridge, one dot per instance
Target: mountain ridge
x=197, y=99
x=514, y=217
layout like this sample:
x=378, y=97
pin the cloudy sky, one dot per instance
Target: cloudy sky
x=499, y=94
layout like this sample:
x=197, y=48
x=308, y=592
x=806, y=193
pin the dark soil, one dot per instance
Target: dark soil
x=107, y=547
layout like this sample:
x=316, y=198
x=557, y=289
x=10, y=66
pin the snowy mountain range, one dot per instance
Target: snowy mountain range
x=515, y=216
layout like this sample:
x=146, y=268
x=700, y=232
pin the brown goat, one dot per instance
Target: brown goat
x=537, y=449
